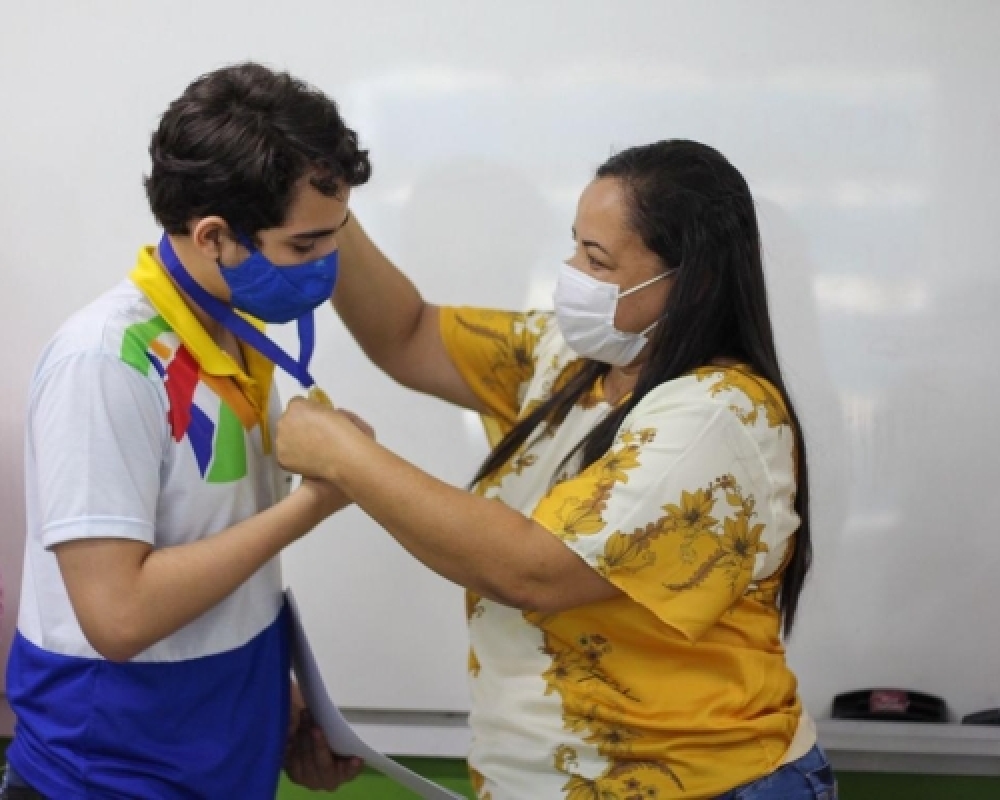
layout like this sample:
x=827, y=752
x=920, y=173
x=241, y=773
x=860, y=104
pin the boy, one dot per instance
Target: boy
x=151, y=659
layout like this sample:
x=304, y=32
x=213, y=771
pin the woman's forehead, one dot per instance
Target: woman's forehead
x=601, y=210
x=602, y=216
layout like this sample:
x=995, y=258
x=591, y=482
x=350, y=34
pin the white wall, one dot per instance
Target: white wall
x=866, y=129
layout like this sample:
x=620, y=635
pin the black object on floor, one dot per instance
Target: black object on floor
x=989, y=717
x=894, y=705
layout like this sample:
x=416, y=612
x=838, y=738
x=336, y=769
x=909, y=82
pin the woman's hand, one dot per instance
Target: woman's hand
x=309, y=761
x=308, y=436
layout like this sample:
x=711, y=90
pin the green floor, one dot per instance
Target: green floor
x=451, y=773
x=853, y=785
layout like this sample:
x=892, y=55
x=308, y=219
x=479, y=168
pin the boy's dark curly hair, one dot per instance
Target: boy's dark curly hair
x=237, y=143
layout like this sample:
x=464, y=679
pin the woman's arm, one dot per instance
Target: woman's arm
x=480, y=544
x=395, y=327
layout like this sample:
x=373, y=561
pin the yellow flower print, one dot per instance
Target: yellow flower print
x=613, y=468
x=757, y=395
x=565, y=759
x=694, y=514
x=732, y=549
x=579, y=663
x=623, y=780
x=631, y=438
x=582, y=721
x=610, y=739
x=594, y=646
x=765, y=593
x=513, y=338
x=741, y=542
x=638, y=780
x=577, y=787
x=736, y=546
x=580, y=788
x=473, y=605
x=583, y=516
x=629, y=552
x=478, y=782
x=518, y=464
x=578, y=517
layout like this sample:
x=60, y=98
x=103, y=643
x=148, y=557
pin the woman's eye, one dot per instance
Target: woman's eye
x=595, y=263
x=304, y=249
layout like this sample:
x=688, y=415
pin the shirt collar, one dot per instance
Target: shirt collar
x=154, y=282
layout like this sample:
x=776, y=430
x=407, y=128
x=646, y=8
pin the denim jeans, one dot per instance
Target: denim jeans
x=809, y=778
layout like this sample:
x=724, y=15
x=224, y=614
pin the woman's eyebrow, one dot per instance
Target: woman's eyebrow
x=592, y=243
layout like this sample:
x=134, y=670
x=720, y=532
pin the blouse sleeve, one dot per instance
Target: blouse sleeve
x=496, y=353
x=681, y=514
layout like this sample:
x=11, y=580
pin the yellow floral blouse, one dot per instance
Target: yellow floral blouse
x=678, y=688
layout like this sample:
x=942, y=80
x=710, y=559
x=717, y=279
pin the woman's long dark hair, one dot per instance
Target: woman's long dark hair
x=695, y=211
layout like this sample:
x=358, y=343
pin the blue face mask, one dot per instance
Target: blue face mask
x=225, y=315
x=280, y=294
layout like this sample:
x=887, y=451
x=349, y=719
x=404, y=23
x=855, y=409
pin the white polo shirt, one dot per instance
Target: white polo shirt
x=140, y=427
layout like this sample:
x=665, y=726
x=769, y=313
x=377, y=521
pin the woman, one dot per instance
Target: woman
x=626, y=596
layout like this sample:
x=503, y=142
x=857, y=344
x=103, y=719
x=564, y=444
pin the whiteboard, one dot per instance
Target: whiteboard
x=867, y=131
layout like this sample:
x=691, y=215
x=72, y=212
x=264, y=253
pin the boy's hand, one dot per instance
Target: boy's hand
x=328, y=498
x=309, y=761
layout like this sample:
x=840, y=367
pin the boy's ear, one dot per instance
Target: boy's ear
x=213, y=239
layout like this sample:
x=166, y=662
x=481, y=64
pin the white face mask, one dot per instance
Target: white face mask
x=585, y=310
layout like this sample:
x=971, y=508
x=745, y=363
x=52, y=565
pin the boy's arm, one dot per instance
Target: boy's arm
x=96, y=438
x=128, y=596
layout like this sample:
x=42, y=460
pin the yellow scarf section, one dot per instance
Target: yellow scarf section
x=247, y=392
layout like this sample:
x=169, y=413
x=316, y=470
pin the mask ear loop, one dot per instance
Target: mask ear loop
x=650, y=282
x=645, y=333
x=654, y=279
x=246, y=242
